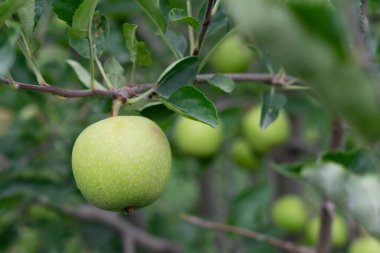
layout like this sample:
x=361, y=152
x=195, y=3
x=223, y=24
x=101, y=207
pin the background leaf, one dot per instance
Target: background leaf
x=83, y=75
x=8, y=7
x=82, y=18
x=271, y=105
x=65, y=9
x=179, y=15
x=8, y=47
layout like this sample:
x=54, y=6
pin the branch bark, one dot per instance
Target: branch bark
x=205, y=23
x=126, y=230
x=284, y=245
x=135, y=90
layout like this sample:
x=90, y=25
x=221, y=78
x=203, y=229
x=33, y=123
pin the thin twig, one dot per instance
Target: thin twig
x=281, y=244
x=134, y=90
x=117, y=223
x=206, y=22
x=328, y=208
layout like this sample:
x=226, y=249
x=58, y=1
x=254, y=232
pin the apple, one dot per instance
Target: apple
x=262, y=140
x=338, y=232
x=289, y=213
x=243, y=155
x=365, y=244
x=196, y=138
x=231, y=56
x=5, y=120
x=122, y=163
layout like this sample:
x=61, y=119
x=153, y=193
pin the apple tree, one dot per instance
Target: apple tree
x=189, y=126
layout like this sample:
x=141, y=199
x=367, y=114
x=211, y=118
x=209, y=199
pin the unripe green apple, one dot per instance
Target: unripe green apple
x=365, y=244
x=5, y=119
x=263, y=140
x=243, y=155
x=231, y=56
x=338, y=232
x=196, y=138
x=289, y=213
x=122, y=163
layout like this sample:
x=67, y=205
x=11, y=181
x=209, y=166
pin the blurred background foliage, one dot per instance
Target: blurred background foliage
x=38, y=132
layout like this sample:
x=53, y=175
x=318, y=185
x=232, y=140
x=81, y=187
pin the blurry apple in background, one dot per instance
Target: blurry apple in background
x=231, y=56
x=365, y=244
x=243, y=155
x=196, y=138
x=289, y=213
x=263, y=140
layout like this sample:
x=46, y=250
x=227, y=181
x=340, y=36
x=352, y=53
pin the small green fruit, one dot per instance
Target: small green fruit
x=365, y=244
x=338, y=233
x=196, y=138
x=243, y=155
x=289, y=213
x=263, y=140
x=231, y=56
x=122, y=163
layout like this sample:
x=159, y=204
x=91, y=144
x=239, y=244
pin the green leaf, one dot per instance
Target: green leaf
x=38, y=8
x=178, y=74
x=222, y=82
x=8, y=42
x=178, y=41
x=291, y=170
x=100, y=34
x=179, y=15
x=129, y=33
x=358, y=195
x=82, y=19
x=272, y=103
x=115, y=72
x=65, y=9
x=193, y=104
x=143, y=55
x=83, y=75
x=152, y=9
x=157, y=112
x=27, y=15
x=8, y=8
x=138, y=51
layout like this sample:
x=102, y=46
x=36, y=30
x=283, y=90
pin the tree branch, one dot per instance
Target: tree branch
x=127, y=231
x=135, y=90
x=328, y=208
x=284, y=245
x=205, y=23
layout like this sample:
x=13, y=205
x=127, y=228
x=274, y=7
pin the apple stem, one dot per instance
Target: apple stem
x=117, y=103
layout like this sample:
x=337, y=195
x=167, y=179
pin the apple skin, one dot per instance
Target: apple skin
x=365, y=244
x=289, y=213
x=339, y=231
x=196, y=138
x=242, y=154
x=122, y=163
x=231, y=56
x=262, y=140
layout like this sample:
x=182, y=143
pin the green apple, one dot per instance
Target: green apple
x=263, y=140
x=338, y=232
x=5, y=120
x=196, y=138
x=243, y=155
x=231, y=56
x=289, y=213
x=122, y=163
x=365, y=244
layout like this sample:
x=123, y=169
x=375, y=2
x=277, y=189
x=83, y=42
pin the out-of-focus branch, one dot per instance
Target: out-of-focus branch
x=205, y=23
x=328, y=208
x=134, y=90
x=281, y=244
x=126, y=230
